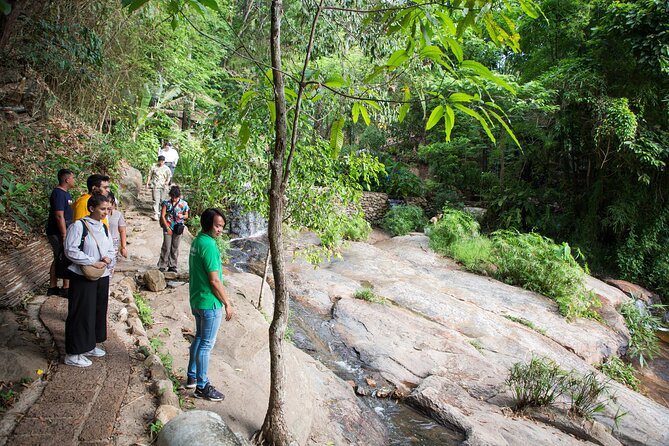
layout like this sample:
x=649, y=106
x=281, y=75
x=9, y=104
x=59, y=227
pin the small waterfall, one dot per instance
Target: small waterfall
x=246, y=224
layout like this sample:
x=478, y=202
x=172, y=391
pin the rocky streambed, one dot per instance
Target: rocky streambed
x=446, y=339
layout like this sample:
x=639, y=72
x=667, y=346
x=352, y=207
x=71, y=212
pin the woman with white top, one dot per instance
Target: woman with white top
x=86, y=322
x=117, y=230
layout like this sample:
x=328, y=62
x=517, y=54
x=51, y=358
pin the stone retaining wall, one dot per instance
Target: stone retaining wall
x=374, y=205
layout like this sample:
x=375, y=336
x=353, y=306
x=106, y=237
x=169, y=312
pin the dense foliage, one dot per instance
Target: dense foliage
x=402, y=219
x=420, y=106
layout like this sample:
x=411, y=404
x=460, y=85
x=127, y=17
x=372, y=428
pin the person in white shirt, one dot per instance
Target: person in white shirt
x=171, y=156
x=86, y=323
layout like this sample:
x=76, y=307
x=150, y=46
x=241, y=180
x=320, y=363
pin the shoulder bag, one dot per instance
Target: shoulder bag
x=89, y=271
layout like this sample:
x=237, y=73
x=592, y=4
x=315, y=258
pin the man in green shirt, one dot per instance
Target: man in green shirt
x=207, y=299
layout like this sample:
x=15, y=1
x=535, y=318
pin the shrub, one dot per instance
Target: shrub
x=538, y=264
x=472, y=253
x=400, y=181
x=535, y=384
x=145, y=314
x=356, y=228
x=400, y=220
x=454, y=225
x=369, y=295
x=587, y=394
x=456, y=235
x=642, y=325
x=615, y=368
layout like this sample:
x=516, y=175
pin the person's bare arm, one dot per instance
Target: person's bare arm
x=122, y=236
x=219, y=292
x=60, y=223
x=163, y=219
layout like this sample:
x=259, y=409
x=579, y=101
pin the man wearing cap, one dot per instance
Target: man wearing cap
x=171, y=156
x=159, y=178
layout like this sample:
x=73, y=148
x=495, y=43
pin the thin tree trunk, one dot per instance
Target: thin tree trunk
x=274, y=430
x=264, y=280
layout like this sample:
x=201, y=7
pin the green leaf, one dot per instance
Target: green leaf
x=461, y=97
x=506, y=127
x=455, y=47
x=211, y=4
x=334, y=81
x=447, y=22
x=355, y=112
x=449, y=122
x=431, y=52
x=435, y=117
x=404, y=109
x=397, y=58
x=135, y=5
x=246, y=97
x=290, y=93
x=372, y=104
x=244, y=134
x=465, y=23
x=482, y=71
x=337, y=137
x=365, y=115
x=478, y=117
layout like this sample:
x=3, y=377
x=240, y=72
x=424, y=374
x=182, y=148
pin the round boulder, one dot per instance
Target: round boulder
x=197, y=428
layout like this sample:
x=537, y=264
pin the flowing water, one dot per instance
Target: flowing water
x=313, y=334
x=655, y=377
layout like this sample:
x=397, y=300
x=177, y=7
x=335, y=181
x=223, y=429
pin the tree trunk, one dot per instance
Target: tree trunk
x=274, y=430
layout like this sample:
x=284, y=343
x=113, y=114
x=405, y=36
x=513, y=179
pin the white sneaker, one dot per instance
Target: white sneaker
x=77, y=360
x=96, y=353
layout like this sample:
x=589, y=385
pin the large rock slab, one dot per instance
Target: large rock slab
x=320, y=408
x=453, y=336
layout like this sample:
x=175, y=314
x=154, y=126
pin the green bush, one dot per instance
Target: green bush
x=473, y=253
x=616, y=369
x=356, y=228
x=536, y=263
x=454, y=225
x=642, y=325
x=587, y=394
x=535, y=384
x=400, y=220
x=400, y=181
x=456, y=235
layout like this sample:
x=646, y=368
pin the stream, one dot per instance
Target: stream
x=313, y=334
x=655, y=377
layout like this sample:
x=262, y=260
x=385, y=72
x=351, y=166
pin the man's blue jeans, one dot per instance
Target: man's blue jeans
x=207, y=323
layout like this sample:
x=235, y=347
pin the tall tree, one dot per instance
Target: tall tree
x=423, y=33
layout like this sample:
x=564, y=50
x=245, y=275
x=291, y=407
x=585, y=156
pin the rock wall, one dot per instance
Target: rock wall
x=374, y=205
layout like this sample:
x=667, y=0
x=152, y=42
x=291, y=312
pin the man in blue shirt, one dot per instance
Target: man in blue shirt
x=60, y=216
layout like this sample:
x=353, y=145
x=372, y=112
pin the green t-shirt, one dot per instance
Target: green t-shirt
x=204, y=258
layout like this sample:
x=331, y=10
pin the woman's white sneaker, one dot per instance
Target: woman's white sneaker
x=77, y=360
x=96, y=353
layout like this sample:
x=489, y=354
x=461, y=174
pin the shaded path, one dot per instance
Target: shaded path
x=79, y=405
